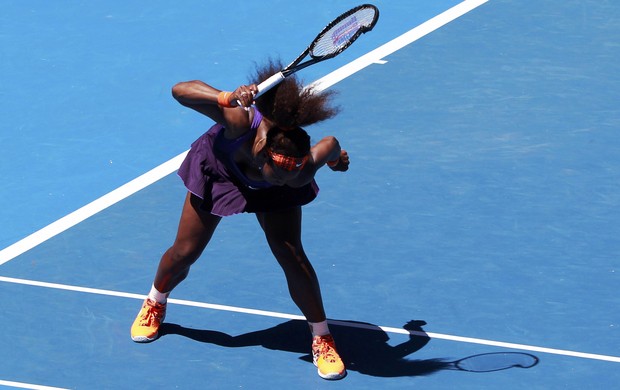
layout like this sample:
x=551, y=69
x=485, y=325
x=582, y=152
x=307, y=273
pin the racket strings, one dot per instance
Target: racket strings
x=343, y=33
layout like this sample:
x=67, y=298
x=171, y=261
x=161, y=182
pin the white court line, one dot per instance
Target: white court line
x=21, y=385
x=374, y=57
x=81, y=214
x=264, y=313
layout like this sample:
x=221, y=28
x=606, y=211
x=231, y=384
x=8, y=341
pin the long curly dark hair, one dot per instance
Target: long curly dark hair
x=288, y=104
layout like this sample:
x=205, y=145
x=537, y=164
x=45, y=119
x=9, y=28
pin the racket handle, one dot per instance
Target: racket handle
x=269, y=83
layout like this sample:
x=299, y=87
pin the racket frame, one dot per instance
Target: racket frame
x=296, y=65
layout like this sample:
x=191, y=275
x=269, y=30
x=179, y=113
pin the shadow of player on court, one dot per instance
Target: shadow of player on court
x=363, y=347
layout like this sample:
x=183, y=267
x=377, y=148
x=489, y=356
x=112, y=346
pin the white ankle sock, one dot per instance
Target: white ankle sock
x=157, y=296
x=319, y=328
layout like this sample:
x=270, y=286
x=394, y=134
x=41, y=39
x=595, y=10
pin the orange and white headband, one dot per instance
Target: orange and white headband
x=286, y=162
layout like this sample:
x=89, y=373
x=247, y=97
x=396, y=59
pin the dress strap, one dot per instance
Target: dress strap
x=258, y=118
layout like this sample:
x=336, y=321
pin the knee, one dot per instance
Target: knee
x=285, y=248
x=183, y=254
x=289, y=255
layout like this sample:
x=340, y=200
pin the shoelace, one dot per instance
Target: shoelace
x=151, y=315
x=327, y=350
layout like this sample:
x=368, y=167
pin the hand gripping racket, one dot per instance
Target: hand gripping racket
x=333, y=40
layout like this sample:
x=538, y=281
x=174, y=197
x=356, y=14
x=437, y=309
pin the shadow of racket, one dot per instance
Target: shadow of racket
x=496, y=361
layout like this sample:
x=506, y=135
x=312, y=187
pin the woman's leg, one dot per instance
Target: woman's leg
x=283, y=232
x=195, y=230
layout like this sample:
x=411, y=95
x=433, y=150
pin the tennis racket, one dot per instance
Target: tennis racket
x=333, y=40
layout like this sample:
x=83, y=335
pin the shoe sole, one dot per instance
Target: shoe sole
x=144, y=339
x=333, y=376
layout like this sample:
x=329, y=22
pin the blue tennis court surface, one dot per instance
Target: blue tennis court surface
x=472, y=244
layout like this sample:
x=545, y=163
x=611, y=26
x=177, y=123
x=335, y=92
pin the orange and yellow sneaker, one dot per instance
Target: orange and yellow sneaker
x=145, y=328
x=326, y=359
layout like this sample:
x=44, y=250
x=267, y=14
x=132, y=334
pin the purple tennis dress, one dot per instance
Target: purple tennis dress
x=210, y=173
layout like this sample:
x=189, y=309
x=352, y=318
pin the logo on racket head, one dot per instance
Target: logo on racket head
x=342, y=34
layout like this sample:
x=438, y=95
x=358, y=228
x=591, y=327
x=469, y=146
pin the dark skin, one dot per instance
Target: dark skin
x=282, y=229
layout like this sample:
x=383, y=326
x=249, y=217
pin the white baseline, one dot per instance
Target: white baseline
x=21, y=385
x=265, y=313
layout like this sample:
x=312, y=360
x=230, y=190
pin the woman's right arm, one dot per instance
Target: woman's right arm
x=203, y=98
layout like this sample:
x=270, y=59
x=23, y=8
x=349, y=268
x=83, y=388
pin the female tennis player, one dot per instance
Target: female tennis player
x=255, y=159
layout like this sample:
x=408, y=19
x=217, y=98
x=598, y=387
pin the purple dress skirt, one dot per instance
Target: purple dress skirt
x=209, y=172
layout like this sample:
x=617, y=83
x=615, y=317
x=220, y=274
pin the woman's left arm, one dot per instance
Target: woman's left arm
x=328, y=151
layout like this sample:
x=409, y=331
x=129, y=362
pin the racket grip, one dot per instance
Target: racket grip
x=269, y=83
